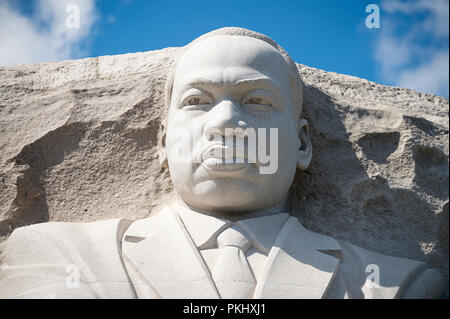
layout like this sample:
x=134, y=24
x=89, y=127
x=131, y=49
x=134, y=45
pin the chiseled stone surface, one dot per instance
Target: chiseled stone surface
x=78, y=142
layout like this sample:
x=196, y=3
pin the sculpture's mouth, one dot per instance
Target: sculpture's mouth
x=221, y=157
x=217, y=164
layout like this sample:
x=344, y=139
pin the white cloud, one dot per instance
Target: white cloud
x=412, y=47
x=431, y=76
x=44, y=36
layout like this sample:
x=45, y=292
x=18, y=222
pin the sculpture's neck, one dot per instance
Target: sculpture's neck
x=235, y=216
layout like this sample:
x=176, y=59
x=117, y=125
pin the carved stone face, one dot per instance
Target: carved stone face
x=223, y=83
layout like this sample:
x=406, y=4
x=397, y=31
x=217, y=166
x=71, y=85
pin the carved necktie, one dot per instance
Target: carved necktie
x=231, y=272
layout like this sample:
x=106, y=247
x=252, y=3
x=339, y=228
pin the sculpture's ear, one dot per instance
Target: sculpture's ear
x=305, y=149
x=162, y=152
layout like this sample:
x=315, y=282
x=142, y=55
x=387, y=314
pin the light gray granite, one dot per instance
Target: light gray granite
x=92, y=140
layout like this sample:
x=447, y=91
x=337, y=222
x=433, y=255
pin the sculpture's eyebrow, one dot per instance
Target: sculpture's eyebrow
x=254, y=82
x=251, y=83
x=260, y=83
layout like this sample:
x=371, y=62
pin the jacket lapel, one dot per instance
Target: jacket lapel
x=163, y=261
x=301, y=264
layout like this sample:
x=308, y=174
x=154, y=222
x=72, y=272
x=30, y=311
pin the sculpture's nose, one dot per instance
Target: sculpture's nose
x=225, y=116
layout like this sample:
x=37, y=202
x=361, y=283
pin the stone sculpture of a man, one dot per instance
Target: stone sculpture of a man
x=233, y=97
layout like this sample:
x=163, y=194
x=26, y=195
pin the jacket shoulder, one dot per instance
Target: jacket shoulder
x=57, y=241
x=41, y=259
x=372, y=275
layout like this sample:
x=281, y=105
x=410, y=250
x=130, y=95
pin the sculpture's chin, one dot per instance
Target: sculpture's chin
x=226, y=195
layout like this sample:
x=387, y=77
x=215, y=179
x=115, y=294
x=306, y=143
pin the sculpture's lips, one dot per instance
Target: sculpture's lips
x=221, y=157
x=220, y=165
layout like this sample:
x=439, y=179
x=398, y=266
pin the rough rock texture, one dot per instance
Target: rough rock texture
x=78, y=143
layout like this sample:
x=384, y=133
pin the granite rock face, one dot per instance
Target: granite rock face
x=78, y=142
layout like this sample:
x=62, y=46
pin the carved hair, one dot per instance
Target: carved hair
x=294, y=75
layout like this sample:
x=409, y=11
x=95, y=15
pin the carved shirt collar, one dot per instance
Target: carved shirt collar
x=204, y=229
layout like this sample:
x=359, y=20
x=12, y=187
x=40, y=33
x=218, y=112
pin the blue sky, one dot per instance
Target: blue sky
x=410, y=49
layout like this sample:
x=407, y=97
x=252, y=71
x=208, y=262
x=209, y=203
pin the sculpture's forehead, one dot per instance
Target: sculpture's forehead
x=230, y=58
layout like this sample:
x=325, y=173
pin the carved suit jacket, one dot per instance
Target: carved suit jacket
x=156, y=258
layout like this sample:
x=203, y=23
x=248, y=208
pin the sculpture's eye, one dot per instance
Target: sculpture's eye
x=196, y=100
x=258, y=101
